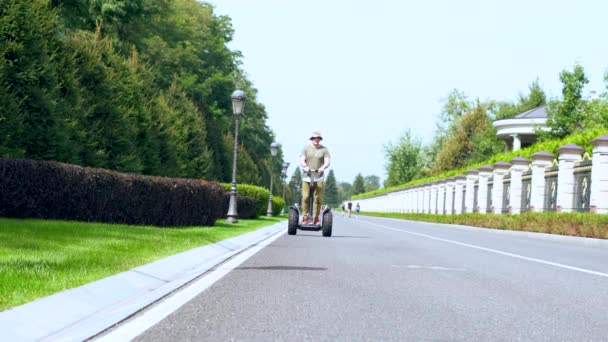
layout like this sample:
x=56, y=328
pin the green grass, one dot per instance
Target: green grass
x=42, y=257
x=573, y=224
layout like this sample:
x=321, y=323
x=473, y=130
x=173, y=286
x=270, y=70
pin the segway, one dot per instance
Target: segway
x=294, y=222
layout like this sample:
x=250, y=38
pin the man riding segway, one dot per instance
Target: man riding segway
x=314, y=160
x=313, y=157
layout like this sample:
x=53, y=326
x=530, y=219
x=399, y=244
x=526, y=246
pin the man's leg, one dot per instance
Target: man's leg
x=305, y=199
x=318, y=200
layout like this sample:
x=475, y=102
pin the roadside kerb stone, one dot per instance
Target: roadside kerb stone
x=83, y=312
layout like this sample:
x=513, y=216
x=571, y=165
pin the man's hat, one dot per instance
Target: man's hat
x=316, y=135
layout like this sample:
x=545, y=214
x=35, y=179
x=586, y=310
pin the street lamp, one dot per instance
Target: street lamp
x=238, y=104
x=284, y=178
x=273, y=152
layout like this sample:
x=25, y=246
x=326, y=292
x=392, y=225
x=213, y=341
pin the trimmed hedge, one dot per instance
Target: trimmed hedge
x=246, y=206
x=277, y=205
x=52, y=190
x=261, y=197
x=260, y=194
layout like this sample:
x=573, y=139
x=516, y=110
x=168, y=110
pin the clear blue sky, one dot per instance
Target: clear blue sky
x=362, y=72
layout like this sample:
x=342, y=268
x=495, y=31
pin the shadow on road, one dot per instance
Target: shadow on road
x=284, y=268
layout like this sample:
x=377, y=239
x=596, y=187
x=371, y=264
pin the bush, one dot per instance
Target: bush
x=260, y=194
x=52, y=190
x=246, y=206
x=277, y=205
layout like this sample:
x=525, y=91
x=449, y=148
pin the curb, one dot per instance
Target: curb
x=578, y=240
x=83, y=312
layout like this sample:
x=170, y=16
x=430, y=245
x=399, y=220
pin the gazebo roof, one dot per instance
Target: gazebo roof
x=524, y=123
x=535, y=113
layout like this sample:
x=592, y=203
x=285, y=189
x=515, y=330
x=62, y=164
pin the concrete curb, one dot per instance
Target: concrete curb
x=584, y=241
x=83, y=312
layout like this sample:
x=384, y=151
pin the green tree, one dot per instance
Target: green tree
x=330, y=193
x=30, y=78
x=458, y=148
x=295, y=185
x=358, y=185
x=403, y=159
x=568, y=115
x=372, y=182
x=344, y=191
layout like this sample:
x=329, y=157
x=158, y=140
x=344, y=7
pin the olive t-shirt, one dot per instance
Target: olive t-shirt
x=315, y=157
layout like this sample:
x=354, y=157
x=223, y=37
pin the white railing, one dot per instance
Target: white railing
x=576, y=188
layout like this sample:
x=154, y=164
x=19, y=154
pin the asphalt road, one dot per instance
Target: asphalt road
x=380, y=279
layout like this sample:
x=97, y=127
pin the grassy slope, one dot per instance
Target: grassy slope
x=40, y=257
x=574, y=224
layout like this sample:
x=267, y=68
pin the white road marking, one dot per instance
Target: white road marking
x=149, y=318
x=540, y=261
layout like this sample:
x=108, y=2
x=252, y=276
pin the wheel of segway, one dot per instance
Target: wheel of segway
x=292, y=223
x=327, y=223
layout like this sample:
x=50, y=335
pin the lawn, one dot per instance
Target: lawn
x=42, y=257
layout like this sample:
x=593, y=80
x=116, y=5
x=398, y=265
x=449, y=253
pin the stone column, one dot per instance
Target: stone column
x=540, y=161
x=568, y=154
x=599, y=176
x=460, y=183
x=449, y=187
x=469, y=200
x=433, y=198
x=429, y=193
x=441, y=197
x=516, y=142
x=518, y=166
x=485, y=172
x=500, y=170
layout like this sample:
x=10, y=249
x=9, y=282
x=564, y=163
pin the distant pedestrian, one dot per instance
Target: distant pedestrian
x=350, y=208
x=357, y=211
x=343, y=210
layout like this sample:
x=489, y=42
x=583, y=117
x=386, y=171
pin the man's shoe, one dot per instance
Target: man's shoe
x=317, y=221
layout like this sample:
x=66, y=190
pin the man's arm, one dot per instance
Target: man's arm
x=325, y=165
x=303, y=163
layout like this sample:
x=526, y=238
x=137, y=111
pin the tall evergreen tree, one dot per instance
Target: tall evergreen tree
x=295, y=185
x=358, y=185
x=331, y=190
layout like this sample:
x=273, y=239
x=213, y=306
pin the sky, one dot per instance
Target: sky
x=364, y=72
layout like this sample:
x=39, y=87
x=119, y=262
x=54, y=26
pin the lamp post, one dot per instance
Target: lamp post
x=284, y=178
x=238, y=104
x=273, y=152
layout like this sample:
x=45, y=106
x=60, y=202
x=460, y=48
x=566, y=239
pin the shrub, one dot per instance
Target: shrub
x=246, y=206
x=52, y=190
x=260, y=194
x=277, y=205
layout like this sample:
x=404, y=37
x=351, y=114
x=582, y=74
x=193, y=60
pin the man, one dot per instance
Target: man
x=350, y=208
x=313, y=157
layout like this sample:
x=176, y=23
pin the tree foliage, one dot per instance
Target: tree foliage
x=460, y=146
x=358, y=185
x=568, y=115
x=330, y=192
x=403, y=159
x=140, y=86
